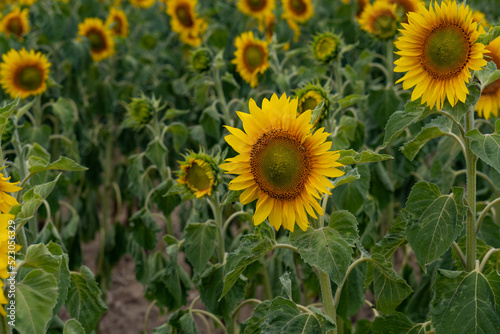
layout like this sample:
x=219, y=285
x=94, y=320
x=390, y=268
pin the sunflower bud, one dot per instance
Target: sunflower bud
x=199, y=172
x=325, y=47
x=141, y=111
x=201, y=60
x=7, y=131
x=310, y=97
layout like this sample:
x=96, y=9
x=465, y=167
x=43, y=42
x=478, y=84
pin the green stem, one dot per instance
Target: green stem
x=267, y=285
x=222, y=98
x=213, y=317
x=326, y=293
x=4, y=326
x=217, y=211
x=351, y=267
x=338, y=76
x=484, y=212
x=471, y=160
x=146, y=317
x=389, y=57
x=486, y=257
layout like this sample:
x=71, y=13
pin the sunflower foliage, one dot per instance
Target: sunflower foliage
x=249, y=166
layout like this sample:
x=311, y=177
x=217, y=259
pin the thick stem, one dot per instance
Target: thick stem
x=471, y=160
x=338, y=76
x=326, y=293
x=222, y=98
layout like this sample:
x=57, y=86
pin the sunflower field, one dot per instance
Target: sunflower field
x=249, y=166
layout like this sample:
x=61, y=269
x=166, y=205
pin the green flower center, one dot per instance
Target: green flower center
x=308, y=103
x=30, y=78
x=298, y=6
x=184, y=15
x=141, y=112
x=446, y=51
x=325, y=48
x=96, y=40
x=256, y=4
x=254, y=56
x=280, y=164
x=385, y=25
x=15, y=26
x=201, y=60
x=197, y=177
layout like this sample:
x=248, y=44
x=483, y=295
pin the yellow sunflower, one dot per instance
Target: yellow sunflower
x=309, y=97
x=16, y=23
x=298, y=10
x=197, y=174
x=489, y=102
x=251, y=57
x=281, y=163
x=380, y=19
x=361, y=4
x=6, y=200
x=100, y=39
x=480, y=19
x=24, y=73
x=258, y=9
x=26, y=2
x=117, y=22
x=142, y=3
x=438, y=50
x=185, y=22
x=403, y=7
x=6, y=249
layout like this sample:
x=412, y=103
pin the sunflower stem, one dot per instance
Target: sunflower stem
x=389, y=58
x=338, y=76
x=471, y=160
x=326, y=293
x=222, y=98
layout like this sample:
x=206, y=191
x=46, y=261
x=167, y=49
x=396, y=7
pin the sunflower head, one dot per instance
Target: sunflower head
x=251, y=57
x=15, y=23
x=201, y=59
x=199, y=172
x=142, y=3
x=489, y=101
x=100, y=38
x=403, y=7
x=380, y=19
x=438, y=49
x=185, y=22
x=258, y=9
x=141, y=111
x=281, y=163
x=6, y=200
x=117, y=22
x=310, y=97
x=24, y=73
x=360, y=6
x=298, y=10
x=325, y=47
x=480, y=19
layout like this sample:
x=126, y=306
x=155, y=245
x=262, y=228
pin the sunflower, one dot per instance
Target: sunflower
x=26, y=2
x=142, y=3
x=325, y=47
x=296, y=11
x=258, y=9
x=309, y=97
x=281, y=163
x=489, y=102
x=270, y=22
x=380, y=19
x=6, y=200
x=100, y=39
x=24, y=73
x=184, y=21
x=361, y=4
x=251, y=57
x=5, y=247
x=199, y=173
x=403, y=7
x=117, y=22
x=480, y=19
x=438, y=50
x=16, y=23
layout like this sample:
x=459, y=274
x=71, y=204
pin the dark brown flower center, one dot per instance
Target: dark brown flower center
x=184, y=15
x=298, y=6
x=256, y=4
x=96, y=40
x=30, y=78
x=280, y=164
x=15, y=26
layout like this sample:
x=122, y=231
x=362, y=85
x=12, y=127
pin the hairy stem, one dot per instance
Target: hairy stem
x=471, y=160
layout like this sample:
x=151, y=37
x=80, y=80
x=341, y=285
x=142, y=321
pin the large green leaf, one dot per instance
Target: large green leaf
x=349, y=157
x=436, y=220
x=352, y=297
x=252, y=248
x=488, y=74
x=394, y=237
x=400, y=120
x=397, y=323
x=67, y=112
x=156, y=152
x=464, y=303
x=436, y=128
x=72, y=326
x=84, y=301
x=351, y=174
x=346, y=224
x=144, y=228
x=199, y=243
x=36, y=296
x=352, y=196
x=324, y=248
x=38, y=165
x=487, y=147
x=389, y=289
x=6, y=112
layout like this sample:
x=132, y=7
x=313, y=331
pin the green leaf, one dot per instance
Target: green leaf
x=487, y=37
x=464, y=303
x=156, y=153
x=287, y=284
x=352, y=196
x=72, y=326
x=352, y=297
x=188, y=325
x=395, y=236
x=389, y=289
x=436, y=220
x=350, y=100
x=144, y=228
x=397, y=323
x=400, y=120
x=6, y=112
x=180, y=134
x=36, y=296
x=350, y=175
x=231, y=196
x=84, y=301
x=346, y=224
x=436, y=128
x=67, y=112
x=349, y=157
x=252, y=248
x=488, y=74
x=199, y=243
x=324, y=248
x=461, y=108
x=382, y=103
x=39, y=256
x=316, y=113
x=62, y=163
x=487, y=147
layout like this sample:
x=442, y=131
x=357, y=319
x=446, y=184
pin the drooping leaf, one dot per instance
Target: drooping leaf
x=72, y=326
x=352, y=196
x=394, y=237
x=352, y=297
x=199, y=243
x=349, y=157
x=436, y=128
x=488, y=74
x=351, y=174
x=436, y=220
x=346, y=225
x=144, y=228
x=396, y=323
x=487, y=147
x=63, y=163
x=464, y=303
x=156, y=152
